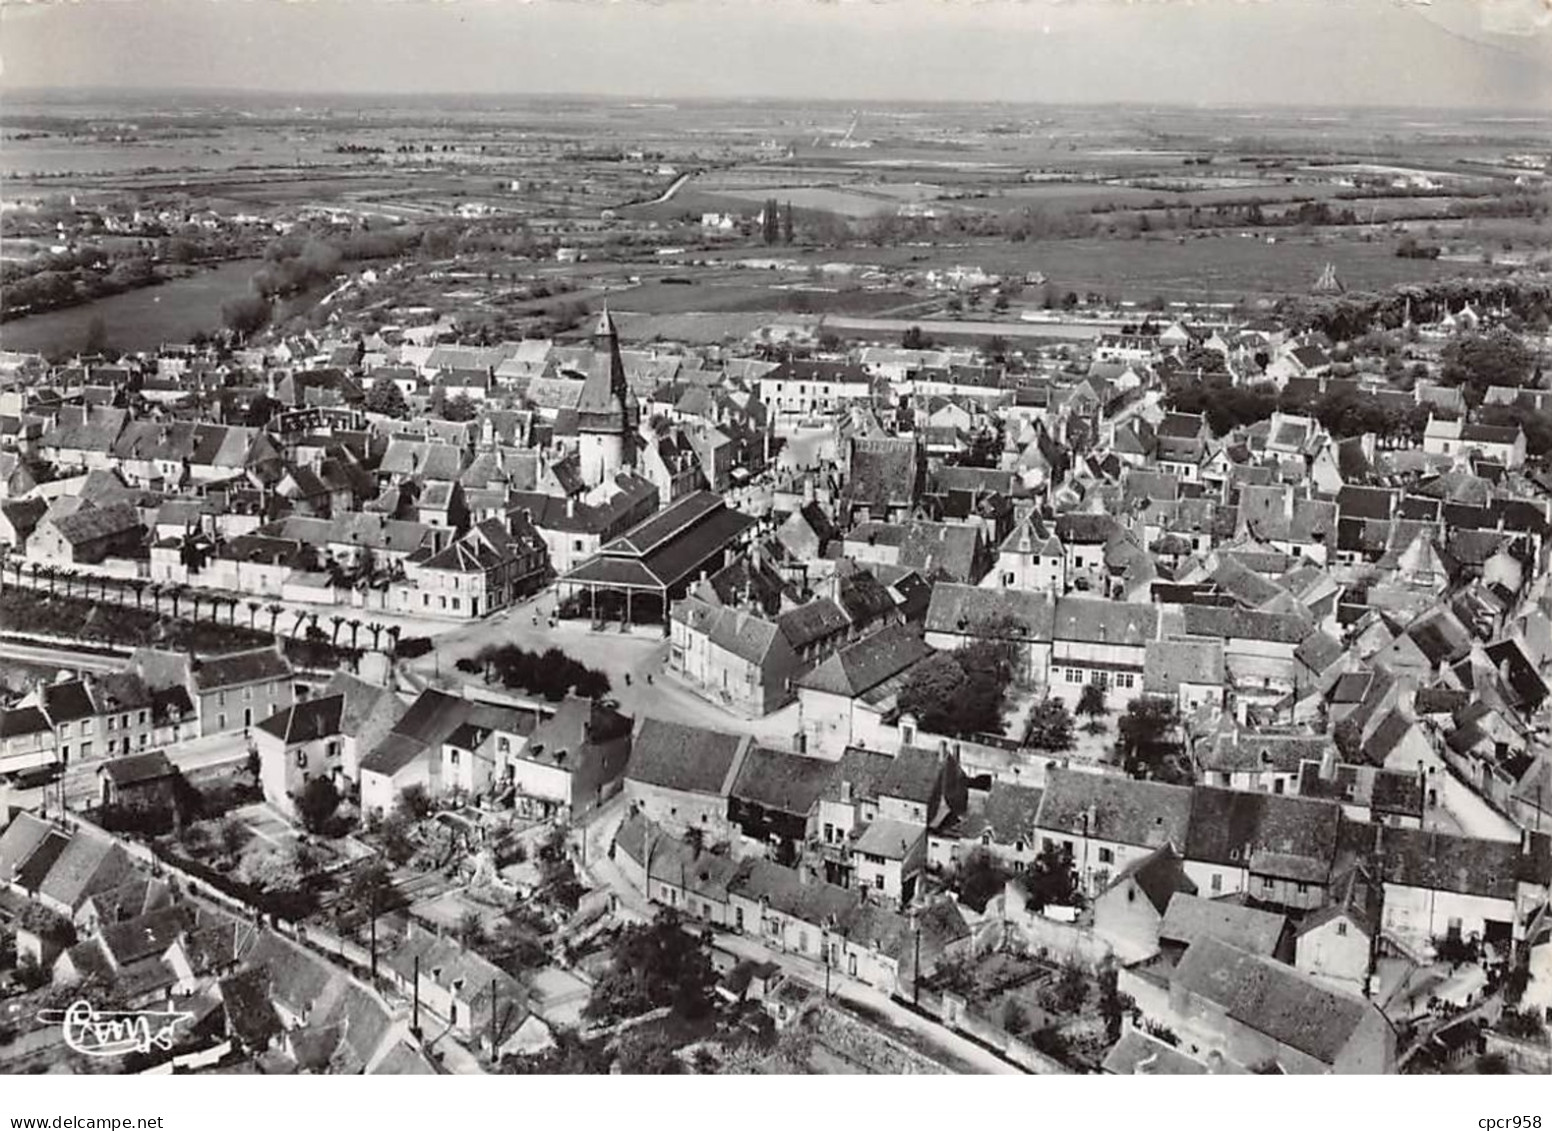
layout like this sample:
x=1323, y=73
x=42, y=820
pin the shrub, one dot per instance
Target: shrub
x=412, y=647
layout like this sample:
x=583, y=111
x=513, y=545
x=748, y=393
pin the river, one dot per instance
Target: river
x=136, y=320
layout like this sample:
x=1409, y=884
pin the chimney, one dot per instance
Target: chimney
x=846, y=791
x=571, y=508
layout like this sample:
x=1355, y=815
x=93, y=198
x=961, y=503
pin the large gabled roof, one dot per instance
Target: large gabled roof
x=862, y=666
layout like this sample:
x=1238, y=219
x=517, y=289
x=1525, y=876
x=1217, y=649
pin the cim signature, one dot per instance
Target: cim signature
x=114, y=1033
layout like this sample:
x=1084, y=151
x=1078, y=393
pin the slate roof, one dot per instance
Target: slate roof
x=1444, y=862
x=1190, y=917
x=1259, y=750
x=863, y=770
x=18, y=841
x=238, y=669
x=137, y=769
x=884, y=472
x=1095, y=621
x=1245, y=624
x=676, y=756
x=1010, y=811
x=912, y=775
x=1126, y=811
x=963, y=609
x=309, y=721
x=776, y=779
x=1263, y=994
x=1293, y=838
x=1169, y=663
x=1139, y=1054
x=889, y=839
x=89, y=864
x=1159, y=875
x=862, y=666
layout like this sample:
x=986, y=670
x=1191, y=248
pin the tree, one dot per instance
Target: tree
x=1091, y=703
x=653, y=965
x=933, y=692
x=1051, y=878
x=1477, y=361
x=1113, y=1004
x=395, y=835
x=371, y=888
x=981, y=879
x=1050, y=726
x=471, y=929
x=232, y=834
x=1145, y=740
x=1067, y=994
x=387, y=398
x=317, y=803
x=459, y=408
x=245, y=315
x=914, y=339
x=413, y=802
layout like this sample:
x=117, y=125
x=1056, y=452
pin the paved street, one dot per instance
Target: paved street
x=59, y=657
x=638, y=656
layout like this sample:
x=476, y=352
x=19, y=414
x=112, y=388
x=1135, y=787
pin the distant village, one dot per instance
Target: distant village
x=1170, y=701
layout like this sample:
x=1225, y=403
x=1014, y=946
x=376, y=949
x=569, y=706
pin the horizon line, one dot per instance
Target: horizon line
x=1534, y=113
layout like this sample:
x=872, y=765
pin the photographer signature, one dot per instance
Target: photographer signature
x=114, y=1032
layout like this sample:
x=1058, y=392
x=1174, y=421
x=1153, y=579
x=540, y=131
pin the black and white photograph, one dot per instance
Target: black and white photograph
x=670, y=538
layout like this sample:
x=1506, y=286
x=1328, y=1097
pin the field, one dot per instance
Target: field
x=1222, y=267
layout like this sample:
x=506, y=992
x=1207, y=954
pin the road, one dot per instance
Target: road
x=943, y=327
x=599, y=833
x=61, y=658
x=633, y=661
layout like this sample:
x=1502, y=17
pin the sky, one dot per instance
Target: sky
x=1443, y=53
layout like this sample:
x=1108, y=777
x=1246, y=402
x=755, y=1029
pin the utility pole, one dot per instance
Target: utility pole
x=495, y=1002
x=415, y=1014
x=374, y=942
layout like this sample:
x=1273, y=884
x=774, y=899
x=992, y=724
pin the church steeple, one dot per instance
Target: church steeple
x=607, y=412
x=606, y=390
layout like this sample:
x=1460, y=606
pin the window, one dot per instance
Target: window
x=220, y=722
x=301, y=758
x=220, y=699
x=1454, y=928
x=454, y=755
x=878, y=881
x=1106, y=856
x=503, y=744
x=111, y=722
x=1266, y=883
x=142, y=718
x=1303, y=888
x=86, y=749
x=247, y=695
x=1131, y=894
x=1341, y=928
x=142, y=740
x=64, y=730
x=1217, y=882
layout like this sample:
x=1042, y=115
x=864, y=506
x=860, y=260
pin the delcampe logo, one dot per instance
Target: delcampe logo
x=114, y=1032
